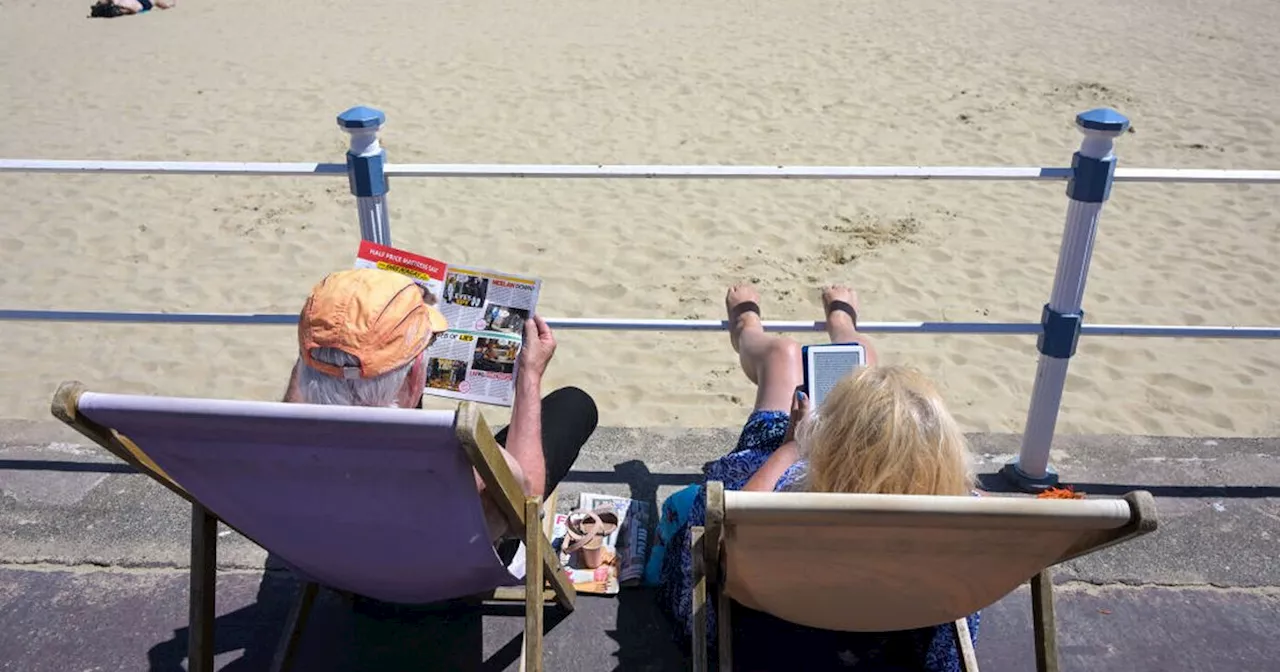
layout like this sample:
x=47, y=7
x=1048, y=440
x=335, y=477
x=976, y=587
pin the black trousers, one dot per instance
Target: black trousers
x=569, y=416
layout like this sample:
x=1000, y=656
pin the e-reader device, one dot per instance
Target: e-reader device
x=825, y=365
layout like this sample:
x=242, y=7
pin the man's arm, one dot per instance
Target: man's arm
x=524, y=436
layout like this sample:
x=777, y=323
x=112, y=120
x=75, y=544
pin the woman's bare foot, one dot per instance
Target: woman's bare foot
x=742, y=303
x=841, y=327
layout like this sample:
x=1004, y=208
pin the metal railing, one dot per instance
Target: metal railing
x=1089, y=180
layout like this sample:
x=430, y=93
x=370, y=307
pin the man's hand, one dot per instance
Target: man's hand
x=539, y=347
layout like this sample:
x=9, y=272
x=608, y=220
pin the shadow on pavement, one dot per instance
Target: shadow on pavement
x=623, y=632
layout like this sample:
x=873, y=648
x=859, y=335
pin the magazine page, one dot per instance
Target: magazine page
x=425, y=271
x=626, y=549
x=484, y=301
x=475, y=359
x=486, y=313
x=473, y=366
x=630, y=541
x=600, y=581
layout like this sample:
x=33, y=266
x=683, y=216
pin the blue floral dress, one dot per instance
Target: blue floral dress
x=930, y=649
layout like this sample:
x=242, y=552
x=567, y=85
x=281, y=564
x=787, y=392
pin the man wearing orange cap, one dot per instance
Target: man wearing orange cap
x=362, y=341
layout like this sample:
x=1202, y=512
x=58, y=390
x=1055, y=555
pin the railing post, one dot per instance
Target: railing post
x=365, y=162
x=1093, y=169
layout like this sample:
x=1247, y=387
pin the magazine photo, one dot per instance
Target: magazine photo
x=475, y=360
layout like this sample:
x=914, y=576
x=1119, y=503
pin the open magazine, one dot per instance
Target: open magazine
x=626, y=549
x=475, y=359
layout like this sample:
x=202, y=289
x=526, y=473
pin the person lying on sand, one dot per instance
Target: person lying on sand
x=109, y=9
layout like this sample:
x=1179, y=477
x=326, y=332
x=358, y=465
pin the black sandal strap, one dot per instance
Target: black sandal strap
x=744, y=307
x=844, y=308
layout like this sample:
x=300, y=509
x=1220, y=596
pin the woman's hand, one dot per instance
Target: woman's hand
x=766, y=477
x=799, y=411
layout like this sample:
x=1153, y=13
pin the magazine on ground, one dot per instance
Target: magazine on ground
x=625, y=550
x=475, y=359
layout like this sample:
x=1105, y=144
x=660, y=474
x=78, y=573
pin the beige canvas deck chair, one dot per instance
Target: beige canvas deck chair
x=894, y=562
x=379, y=502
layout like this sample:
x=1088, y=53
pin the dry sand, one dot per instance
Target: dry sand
x=874, y=82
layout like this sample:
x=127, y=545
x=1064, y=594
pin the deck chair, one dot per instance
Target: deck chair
x=894, y=562
x=378, y=502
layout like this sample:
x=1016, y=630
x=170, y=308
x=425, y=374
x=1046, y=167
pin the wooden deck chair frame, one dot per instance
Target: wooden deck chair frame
x=542, y=564
x=705, y=542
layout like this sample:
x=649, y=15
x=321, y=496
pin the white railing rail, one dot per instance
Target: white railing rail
x=645, y=324
x=1089, y=179
x=603, y=171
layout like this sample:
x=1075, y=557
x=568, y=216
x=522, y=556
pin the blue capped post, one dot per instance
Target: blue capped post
x=1092, y=173
x=366, y=162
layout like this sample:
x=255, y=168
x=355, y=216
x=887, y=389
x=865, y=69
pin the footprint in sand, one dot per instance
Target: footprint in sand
x=1181, y=384
x=611, y=290
x=1221, y=421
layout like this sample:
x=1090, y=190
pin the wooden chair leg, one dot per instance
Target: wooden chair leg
x=713, y=532
x=486, y=456
x=548, y=513
x=562, y=591
x=1043, y=622
x=533, y=588
x=204, y=566
x=293, y=627
x=699, y=607
x=724, y=631
x=964, y=644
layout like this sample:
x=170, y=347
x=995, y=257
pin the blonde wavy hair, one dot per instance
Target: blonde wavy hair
x=885, y=430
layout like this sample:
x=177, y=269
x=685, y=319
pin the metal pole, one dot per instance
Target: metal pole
x=365, y=162
x=1093, y=171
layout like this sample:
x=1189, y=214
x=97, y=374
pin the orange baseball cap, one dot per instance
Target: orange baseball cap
x=376, y=316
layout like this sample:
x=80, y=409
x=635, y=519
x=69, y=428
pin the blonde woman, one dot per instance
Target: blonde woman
x=880, y=430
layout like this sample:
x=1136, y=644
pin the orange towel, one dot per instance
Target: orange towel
x=1060, y=493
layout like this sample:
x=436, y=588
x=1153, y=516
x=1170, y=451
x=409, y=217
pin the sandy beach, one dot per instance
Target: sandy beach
x=808, y=82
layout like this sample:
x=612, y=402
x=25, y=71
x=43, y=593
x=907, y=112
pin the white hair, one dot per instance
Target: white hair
x=317, y=387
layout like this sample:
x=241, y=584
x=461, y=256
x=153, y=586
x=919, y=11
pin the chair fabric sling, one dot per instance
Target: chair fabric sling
x=378, y=502
x=375, y=501
x=894, y=562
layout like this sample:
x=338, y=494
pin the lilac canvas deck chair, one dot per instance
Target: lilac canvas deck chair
x=379, y=502
x=877, y=563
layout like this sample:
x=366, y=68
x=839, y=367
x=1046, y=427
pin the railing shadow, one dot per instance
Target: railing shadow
x=67, y=466
x=994, y=482
x=635, y=475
